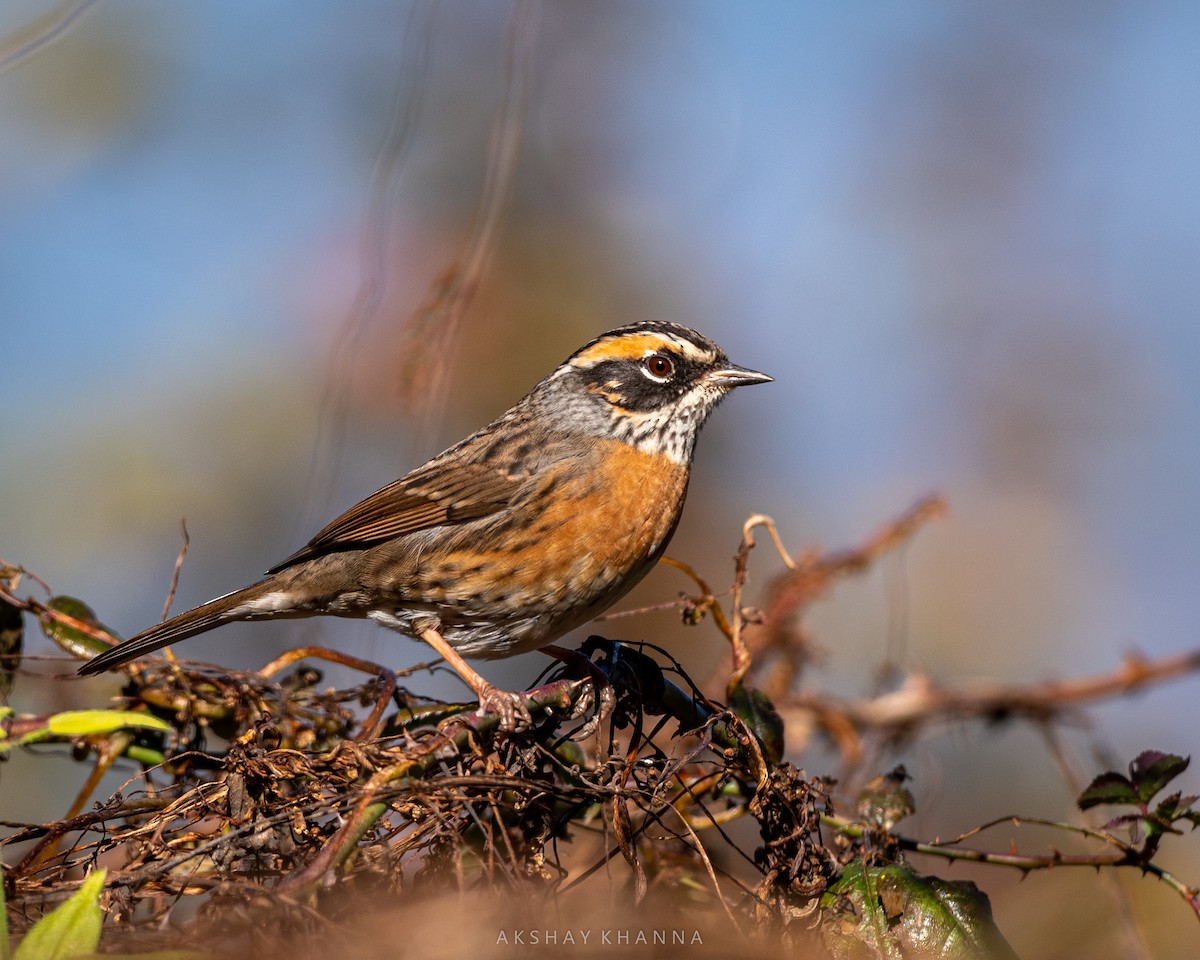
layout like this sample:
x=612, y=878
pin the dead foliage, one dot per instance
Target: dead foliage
x=255, y=831
x=274, y=807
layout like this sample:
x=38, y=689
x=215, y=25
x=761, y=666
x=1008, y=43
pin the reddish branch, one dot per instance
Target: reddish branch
x=921, y=702
x=778, y=631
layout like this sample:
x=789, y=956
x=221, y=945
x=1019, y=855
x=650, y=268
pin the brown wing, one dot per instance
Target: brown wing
x=430, y=496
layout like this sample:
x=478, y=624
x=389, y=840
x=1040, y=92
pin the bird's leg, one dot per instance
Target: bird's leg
x=509, y=707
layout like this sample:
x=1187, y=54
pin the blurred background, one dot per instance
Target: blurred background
x=965, y=240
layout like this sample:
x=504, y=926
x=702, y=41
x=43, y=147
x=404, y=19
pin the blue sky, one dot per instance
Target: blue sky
x=964, y=238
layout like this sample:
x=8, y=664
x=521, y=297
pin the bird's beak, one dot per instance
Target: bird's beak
x=732, y=376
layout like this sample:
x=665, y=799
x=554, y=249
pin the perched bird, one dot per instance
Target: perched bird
x=516, y=535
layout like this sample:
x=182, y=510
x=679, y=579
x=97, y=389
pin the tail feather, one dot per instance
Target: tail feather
x=233, y=606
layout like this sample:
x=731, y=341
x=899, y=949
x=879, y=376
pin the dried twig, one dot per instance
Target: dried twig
x=183, y=549
x=920, y=703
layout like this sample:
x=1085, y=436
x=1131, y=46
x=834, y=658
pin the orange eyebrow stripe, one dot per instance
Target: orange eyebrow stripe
x=622, y=348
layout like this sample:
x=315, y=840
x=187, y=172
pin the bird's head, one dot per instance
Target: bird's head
x=650, y=384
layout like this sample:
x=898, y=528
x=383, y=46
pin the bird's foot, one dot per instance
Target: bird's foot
x=509, y=708
x=597, y=698
x=598, y=694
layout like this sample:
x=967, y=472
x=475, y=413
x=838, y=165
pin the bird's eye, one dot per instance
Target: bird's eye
x=658, y=366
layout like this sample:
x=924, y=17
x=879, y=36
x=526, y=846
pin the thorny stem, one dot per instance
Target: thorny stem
x=921, y=701
x=1124, y=855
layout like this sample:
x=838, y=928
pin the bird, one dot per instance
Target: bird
x=528, y=528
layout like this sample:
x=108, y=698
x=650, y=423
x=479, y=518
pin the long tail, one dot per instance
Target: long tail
x=256, y=601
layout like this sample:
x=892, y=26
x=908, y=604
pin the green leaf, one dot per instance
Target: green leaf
x=71, y=929
x=1109, y=787
x=1169, y=807
x=1125, y=820
x=87, y=723
x=1151, y=771
x=83, y=644
x=759, y=714
x=894, y=912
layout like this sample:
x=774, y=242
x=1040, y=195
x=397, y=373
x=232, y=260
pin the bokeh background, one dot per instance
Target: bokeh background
x=965, y=239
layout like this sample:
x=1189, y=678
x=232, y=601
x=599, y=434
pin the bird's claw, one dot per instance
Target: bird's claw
x=597, y=698
x=509, y=708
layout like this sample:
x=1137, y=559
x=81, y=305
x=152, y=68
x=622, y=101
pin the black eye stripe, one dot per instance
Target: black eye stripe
x=630, y=384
